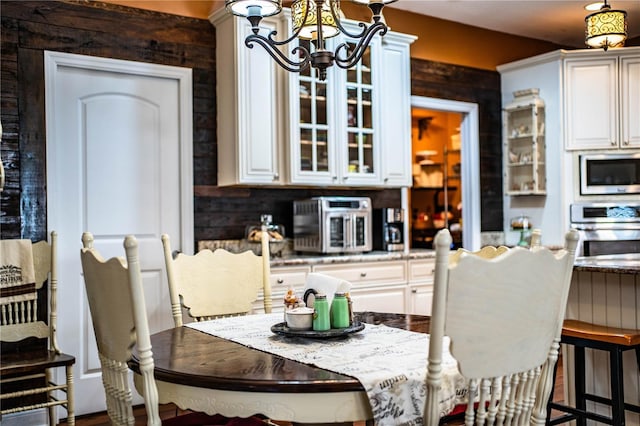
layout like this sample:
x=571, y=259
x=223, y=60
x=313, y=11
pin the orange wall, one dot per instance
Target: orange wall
x=438, y=40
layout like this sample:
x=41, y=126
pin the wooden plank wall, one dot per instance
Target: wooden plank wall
x=605, y=299
x=108, y=30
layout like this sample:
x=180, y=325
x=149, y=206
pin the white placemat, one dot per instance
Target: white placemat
x=390, y=363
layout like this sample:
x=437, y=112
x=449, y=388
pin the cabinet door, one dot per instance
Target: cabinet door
x=421, y=270
x=420, y=299
x=591, y=103
x=630, y=101
x=361, y=274
x=313, y=127
x=379, y=299
x=395, y=126
x=358, y=95
x=249, y=105
x=282, y=279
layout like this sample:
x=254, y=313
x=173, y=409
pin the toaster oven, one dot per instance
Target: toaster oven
x=332, y=225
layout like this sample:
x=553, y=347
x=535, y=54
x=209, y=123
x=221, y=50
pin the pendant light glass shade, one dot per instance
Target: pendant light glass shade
x=606, y=28
x=247, y=8
x=308, y=28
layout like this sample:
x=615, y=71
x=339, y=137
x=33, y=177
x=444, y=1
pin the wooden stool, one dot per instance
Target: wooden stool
x=614, y=340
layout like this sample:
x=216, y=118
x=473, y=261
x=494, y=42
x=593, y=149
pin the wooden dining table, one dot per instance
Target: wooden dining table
x=204, y=373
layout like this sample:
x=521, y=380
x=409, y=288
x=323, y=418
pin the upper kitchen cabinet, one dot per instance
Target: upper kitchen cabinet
x=354, y=128
x=275, y=127
x=250, y=94
x=395, y=123
x=602, y=100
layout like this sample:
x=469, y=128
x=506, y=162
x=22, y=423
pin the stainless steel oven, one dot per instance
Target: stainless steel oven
x=607, y=228
x=332, y=225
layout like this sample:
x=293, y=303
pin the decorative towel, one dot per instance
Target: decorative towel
x=390, y=363
x=17, y=274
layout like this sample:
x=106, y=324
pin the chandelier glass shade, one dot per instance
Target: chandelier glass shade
x=606, y=28
x=305, y=23
x=312, y=21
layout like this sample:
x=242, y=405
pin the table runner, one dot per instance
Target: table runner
x=390, y=363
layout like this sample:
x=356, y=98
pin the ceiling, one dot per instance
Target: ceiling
x=557, y=21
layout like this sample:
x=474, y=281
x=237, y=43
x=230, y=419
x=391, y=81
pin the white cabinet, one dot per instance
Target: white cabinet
x=630, y=100
x=395, y=125
x=249, y=97
x=602, y=100
x=387, y=299
x=282, y=279
x=420, y=289
x=376, y=286
x=353, y=129
x=277, y=127
x=524, y=144
x=401, y=286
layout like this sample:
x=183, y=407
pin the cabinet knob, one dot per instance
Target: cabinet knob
x=335, y=177
x=363, y=274
x=613, y=143
x=279, y=280
x=345, y=177
x=386, y=180
x=625, y=143
x=276, y=176
x=414, y=290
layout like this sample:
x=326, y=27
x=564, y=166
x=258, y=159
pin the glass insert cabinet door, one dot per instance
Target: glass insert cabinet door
x=359, y=109
x=314, y=123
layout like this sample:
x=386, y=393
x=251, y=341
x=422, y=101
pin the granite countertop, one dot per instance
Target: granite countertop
x=297, y=259
x=589, y=264
x=611, y=264
x=282, y=254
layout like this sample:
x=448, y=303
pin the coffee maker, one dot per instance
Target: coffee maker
x=388, y=229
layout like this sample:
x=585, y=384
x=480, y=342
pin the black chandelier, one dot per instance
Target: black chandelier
x=313, y=21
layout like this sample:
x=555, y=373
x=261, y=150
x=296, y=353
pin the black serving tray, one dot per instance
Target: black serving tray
x=282, y=329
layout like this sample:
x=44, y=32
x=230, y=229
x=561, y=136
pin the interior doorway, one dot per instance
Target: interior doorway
x=446, y=189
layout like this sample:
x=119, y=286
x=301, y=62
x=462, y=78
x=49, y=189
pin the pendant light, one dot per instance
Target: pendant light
x=606, y=28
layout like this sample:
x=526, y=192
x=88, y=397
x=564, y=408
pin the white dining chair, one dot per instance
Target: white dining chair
x=503, y=312
x=119, y=315
x=217, y=283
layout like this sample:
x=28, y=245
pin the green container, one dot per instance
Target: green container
x=339, y=311
x=321, y=320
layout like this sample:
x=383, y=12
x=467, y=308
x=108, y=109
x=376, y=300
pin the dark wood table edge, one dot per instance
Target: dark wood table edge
x=316, y=380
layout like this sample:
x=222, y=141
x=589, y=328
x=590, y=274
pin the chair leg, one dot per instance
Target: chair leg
x=48, y=377
x=71, y=416
x=579, y=383
x=617, y=388
x=553, y=386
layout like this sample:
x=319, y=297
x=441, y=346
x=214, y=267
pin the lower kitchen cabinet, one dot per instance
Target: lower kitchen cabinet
x=380, y=299
x=367, y=273
x=398, y=286
x=376, y=286
x=420, y=288
x=282, y=279
x=420, y=298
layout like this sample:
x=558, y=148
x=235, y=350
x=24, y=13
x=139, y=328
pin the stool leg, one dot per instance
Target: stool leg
x=579, y=373
x=617, y=387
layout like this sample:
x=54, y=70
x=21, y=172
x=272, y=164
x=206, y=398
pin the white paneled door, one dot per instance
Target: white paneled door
x=119, y=161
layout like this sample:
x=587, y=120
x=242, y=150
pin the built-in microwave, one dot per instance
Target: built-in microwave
x=610, y=174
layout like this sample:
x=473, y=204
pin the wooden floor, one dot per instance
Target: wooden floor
x=169, y=410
